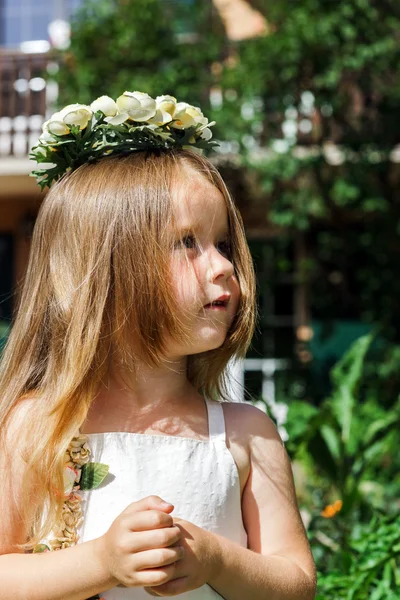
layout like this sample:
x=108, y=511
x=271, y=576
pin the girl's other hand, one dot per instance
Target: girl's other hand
x=141, y=546
x=198, y=565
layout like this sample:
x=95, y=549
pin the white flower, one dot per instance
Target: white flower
x=40, y=150
x=70, y=475
x=186, y=116
x=46, y=138
x=106, y=104
x=206, y=134
x=56, y=125
x=118, y=119
x=166, y=104
x=204, y=131
x=76, y=114
x=134, y=106
x=161, y=118
x=165, y=110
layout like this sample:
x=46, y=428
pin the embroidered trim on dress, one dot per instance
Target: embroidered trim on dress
x=79, y=474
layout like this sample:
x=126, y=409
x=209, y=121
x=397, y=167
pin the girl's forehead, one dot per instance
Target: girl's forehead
x=196, y=200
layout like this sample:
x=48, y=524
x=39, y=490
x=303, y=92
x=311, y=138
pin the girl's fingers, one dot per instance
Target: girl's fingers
x=156, y=576
x=151, y=591
x=148, y=519
x=158, y=557
x=140, y=541
x=173, y=587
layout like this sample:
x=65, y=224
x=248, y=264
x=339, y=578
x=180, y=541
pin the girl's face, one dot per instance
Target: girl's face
x=201, y=266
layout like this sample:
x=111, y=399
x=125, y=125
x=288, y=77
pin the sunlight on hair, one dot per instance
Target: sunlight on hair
x=97, y=293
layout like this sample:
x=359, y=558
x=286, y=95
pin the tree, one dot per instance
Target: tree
x=322, y=94
x=149, y=45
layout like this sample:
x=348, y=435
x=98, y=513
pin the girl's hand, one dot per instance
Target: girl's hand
x=142, y=545
x=198, y=565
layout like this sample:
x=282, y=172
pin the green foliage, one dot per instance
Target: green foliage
x=120, y=45
x=334, y=67
x=372, y=568
x=39, y=548
x=344, y=435
x=4, y=332
x=345, y=452
x=337, y=50
x=348, y=451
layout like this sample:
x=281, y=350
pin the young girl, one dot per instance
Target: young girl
x=139, y=290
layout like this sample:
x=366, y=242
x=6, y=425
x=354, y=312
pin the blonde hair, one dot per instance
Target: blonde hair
x=98, y=272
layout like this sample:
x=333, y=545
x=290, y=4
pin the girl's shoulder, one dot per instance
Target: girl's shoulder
x=243, y=423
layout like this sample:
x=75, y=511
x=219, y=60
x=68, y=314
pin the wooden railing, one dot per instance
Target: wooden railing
x=25, y=100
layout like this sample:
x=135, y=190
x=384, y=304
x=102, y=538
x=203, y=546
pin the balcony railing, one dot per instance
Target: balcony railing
x=25, y=100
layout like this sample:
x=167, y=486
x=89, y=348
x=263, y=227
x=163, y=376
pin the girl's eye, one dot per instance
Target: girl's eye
x=188, y=241
x=225, y=248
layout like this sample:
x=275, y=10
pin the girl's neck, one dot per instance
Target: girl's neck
x=124, y=398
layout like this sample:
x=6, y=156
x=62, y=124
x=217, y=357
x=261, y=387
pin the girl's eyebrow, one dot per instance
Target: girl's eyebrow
x=189, y=229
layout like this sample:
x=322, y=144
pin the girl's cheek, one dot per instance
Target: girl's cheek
x=178, y=270
x=186, y=284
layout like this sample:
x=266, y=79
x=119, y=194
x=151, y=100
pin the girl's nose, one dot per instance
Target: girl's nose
x=219, y=266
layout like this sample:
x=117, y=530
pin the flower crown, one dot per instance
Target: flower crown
x=135, y=121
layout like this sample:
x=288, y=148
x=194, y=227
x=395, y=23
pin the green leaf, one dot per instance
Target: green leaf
x=322, y=455
x=41, y=548
x=349, y=369
x=332, y=441
x=92, y=475
x=343, y=403
x=387, y=575
x=379, y=429
x=299, y=416
x=346, y=375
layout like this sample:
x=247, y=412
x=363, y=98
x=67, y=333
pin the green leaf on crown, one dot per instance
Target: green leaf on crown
x=92, y=475
x=41, y=548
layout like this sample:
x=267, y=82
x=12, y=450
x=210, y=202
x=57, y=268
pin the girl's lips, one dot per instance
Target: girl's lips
x=216, y=306
x=221, y=302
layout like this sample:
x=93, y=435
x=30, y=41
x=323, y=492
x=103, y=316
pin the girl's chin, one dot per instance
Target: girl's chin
x=203, y=341
x=210, y=344
x=198, y=348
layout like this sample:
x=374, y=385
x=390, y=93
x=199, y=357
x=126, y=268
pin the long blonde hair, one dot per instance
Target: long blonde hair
x=98, y=274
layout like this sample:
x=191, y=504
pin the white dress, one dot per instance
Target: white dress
x=199, y=477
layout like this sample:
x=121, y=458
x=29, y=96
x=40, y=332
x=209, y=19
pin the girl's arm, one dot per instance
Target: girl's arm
x=244, y=574
x=280, y=566
x=74, y=573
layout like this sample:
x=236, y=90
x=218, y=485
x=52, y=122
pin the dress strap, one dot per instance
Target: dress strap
x=216, y=421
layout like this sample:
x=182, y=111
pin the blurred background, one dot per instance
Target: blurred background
x=306, y=96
